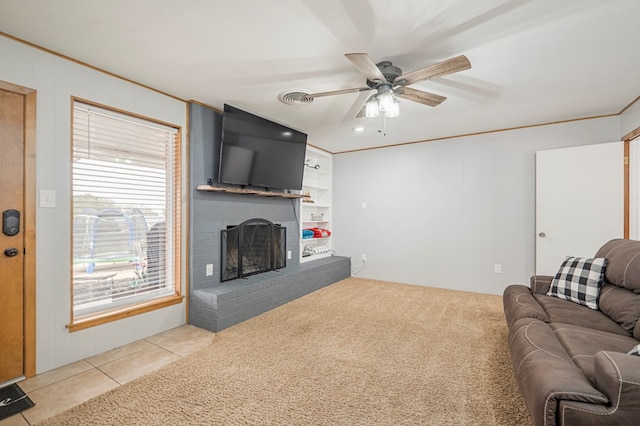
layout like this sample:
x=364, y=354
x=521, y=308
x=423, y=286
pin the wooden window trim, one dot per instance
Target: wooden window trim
x=111, y=315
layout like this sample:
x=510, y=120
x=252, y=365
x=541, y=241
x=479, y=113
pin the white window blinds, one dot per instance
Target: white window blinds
x=125, y=209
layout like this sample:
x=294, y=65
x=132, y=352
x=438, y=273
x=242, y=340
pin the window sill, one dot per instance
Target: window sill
x=104, y=317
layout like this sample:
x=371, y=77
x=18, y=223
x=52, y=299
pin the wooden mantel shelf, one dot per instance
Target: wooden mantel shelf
x=243, y=191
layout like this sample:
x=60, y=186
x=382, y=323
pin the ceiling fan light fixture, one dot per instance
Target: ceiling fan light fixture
x=394, y=109
x=371, y=108
x=385, y=98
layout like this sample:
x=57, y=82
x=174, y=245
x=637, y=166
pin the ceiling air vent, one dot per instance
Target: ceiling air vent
x=295, y=98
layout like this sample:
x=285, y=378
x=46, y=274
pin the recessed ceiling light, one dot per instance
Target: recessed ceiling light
x=358, y=129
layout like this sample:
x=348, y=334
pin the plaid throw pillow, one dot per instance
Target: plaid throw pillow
x=635, y=350
x=579, y=280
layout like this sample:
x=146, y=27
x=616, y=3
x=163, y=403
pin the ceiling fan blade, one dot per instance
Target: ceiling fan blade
x=420, y=96
x=459, y=63
x=338, y=92
x=357, y=109
x=366, y=66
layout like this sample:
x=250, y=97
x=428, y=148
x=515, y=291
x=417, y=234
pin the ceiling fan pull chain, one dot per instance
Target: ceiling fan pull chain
x=383, y=131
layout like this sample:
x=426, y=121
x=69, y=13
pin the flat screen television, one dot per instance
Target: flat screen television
x=258, y=152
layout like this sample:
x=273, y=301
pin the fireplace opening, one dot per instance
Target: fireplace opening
x=253, y=247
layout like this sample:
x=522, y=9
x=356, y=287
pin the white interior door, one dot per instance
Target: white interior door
x=579, y=202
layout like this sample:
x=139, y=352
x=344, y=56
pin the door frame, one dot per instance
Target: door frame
x=634, y=134
x=29, y=221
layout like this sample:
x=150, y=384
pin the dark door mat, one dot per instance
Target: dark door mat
x=13, y=400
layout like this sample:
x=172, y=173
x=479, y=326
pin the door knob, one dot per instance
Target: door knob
x=542, y=235
x=10, y=252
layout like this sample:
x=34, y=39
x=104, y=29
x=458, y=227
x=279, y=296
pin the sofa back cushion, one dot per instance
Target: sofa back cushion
x=621, y=305
x=623, y=263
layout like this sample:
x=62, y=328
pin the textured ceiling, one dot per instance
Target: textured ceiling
x=533, y=61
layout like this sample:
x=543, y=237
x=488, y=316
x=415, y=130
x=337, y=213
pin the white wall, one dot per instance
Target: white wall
x=56, y=80
x=443, y=213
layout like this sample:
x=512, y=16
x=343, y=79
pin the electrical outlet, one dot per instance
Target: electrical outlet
x=209, y=269
x=288, y=254
x=497, y=268
x=363, y=257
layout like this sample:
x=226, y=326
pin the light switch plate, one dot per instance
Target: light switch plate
x=47, y=198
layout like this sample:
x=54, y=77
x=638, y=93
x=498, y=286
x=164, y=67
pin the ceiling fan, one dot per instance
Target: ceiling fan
x=389, y=81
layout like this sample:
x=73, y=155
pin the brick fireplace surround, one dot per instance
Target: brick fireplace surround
x=215, y=305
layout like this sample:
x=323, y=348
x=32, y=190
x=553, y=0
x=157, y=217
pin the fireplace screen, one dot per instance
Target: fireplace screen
x=252, y=247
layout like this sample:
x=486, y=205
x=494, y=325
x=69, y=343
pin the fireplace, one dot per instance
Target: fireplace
x=253, y=247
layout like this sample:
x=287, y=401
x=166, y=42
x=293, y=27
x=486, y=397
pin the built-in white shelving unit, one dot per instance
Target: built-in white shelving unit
x=315, y=210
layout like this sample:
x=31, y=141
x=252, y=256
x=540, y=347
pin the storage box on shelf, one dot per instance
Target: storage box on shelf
x=316, y=206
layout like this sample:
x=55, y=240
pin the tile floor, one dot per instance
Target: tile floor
x=65, y=387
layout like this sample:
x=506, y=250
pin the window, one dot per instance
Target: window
x=125, y=215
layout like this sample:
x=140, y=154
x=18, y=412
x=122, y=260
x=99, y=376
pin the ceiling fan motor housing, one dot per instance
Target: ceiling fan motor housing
x=389, y=71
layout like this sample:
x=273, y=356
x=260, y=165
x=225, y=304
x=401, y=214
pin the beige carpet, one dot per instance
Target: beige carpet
x=358, y=352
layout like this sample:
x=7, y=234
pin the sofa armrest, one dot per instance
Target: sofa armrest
x=616, y=375
x=540, y=283
x=518, y=302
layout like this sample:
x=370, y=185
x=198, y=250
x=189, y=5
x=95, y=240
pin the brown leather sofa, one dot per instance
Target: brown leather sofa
x=571, y=362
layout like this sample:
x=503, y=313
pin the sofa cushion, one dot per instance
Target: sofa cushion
x=545, y=372
x=566, y=312
x=623, y=267
x=621, y=305
x=582, y=344
x=579, y=280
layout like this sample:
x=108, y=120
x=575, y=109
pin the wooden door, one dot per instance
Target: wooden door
x=12, y=128
x=579, y=202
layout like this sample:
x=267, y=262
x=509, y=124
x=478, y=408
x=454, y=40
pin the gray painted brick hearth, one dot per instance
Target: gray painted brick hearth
x=215, y=305
x=221, y=306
